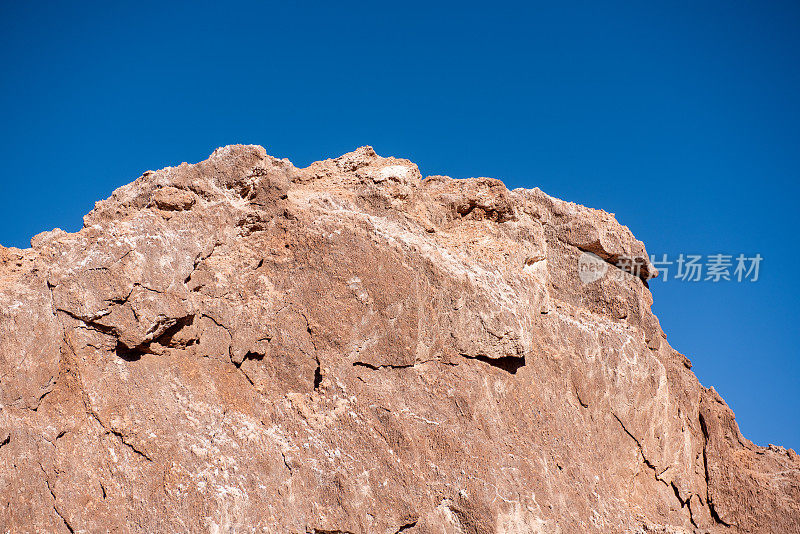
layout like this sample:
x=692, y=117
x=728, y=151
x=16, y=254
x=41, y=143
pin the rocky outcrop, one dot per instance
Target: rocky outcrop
x=241, y=345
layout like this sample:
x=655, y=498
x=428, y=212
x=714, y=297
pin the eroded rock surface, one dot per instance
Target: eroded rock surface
x=241, y=345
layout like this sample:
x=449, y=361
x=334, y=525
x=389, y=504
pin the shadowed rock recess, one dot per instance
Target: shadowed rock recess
x=241, y=345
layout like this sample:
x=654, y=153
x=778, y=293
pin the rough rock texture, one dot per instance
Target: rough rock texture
x=244, y=346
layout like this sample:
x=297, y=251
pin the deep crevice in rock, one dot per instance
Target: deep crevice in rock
x=166, y=340
x=406, y=526
x=639, y=445
x=381, y=366
x=252, y=355
x=130, y=355
x=317, y=376
x=509, y=364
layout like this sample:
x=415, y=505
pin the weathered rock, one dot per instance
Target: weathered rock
x=242, y=345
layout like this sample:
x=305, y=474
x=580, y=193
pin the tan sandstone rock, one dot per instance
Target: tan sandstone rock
x=241, y=345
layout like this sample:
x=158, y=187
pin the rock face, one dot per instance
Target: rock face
x=245, y=346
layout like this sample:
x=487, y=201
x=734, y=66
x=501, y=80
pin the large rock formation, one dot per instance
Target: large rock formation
x=244, y=346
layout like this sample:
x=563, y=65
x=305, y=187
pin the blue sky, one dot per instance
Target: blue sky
x=682, y=119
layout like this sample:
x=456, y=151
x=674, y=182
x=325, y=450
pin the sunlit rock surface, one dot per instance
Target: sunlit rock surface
x=244, y=346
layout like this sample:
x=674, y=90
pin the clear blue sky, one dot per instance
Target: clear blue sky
x=682, y=119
